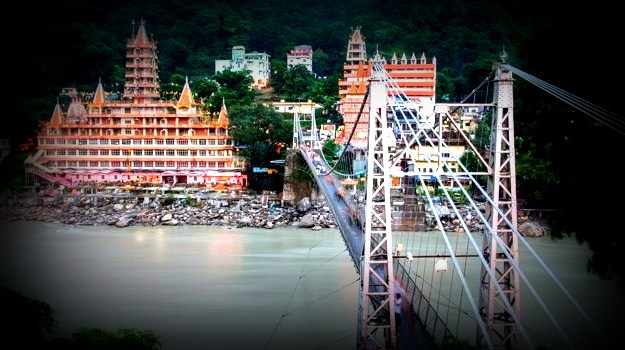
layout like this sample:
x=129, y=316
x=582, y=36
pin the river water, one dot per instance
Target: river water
x=200, y=287
x=218, y=287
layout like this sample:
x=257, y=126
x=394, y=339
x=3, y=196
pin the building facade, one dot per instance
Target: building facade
x=257, y=63
x=416, y=78
x=301, y=54
x=139, y=138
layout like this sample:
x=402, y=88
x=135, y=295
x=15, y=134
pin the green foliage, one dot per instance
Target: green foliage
x=25, y=321
x=301, y=171
x=190, y=200
x=123, y=339
x=204, y=88
x=169, y=199
x=330, y=150
x=260, y=131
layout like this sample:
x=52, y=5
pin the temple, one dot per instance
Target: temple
x=137, y=137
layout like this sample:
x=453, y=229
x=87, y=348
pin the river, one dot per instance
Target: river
x=218, y=287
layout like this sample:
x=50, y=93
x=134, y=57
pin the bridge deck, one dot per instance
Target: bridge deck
x=411, y=336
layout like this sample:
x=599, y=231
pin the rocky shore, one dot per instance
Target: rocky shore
x=251, y=211
x=122, y=212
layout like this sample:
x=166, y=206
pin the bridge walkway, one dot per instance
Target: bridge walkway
x=411, y=335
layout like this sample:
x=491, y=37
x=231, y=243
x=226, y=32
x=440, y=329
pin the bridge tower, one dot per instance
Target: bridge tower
x=500, y=248
x=377, y=299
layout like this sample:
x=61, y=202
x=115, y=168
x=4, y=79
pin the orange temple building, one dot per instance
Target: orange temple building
x=416, y=78
x=139, y=138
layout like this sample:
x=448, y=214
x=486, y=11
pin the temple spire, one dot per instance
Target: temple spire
x=223, y=115
x=186, y=96
x=57, y=114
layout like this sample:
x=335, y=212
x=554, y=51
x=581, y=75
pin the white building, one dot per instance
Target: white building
x=257, y=63
x=301, y=54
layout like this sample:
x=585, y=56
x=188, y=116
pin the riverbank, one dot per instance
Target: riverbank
x=122, y=211
x=258, y=211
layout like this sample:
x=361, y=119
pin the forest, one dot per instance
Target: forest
x=560, y=149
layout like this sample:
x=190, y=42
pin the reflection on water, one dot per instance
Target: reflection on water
x=199, y=286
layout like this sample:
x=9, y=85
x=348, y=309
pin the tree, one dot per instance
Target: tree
x=25, y=321
x=298, y=79
x=235, y=87
x=122, y=339
x=260, y=131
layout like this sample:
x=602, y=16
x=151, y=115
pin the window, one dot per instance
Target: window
x=114, y=152
x=171, y=152
x=159, y=152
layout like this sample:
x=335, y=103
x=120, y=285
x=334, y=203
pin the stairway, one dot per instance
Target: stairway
x=408, y=213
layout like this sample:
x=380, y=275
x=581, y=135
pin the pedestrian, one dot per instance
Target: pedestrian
x=398, y=311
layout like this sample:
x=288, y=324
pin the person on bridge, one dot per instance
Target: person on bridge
x=398, y=311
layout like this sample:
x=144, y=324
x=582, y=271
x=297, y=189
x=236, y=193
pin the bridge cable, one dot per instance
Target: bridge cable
x=351, y=135
x=604, y=116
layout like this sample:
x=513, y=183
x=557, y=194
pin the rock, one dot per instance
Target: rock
x=532, y=229
x=307, y=221
x=304, y=205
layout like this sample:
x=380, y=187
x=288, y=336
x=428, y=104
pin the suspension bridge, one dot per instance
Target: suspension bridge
x=413, y=226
